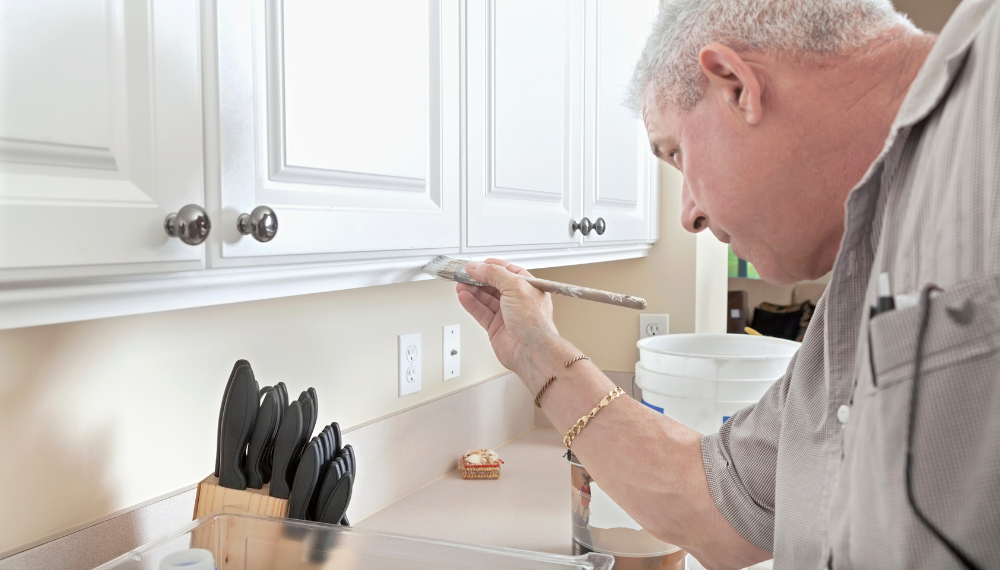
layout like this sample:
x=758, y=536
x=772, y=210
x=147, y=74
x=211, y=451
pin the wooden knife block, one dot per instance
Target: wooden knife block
x=212, y=498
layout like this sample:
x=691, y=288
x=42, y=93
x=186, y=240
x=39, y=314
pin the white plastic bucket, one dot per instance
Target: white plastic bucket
x=717, y=356
x=704, y=415
x=701, y=389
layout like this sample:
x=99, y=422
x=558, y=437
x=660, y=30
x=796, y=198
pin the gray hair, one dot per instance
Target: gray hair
x=798, y=29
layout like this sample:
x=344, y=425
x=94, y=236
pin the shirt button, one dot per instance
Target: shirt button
x=843, y=413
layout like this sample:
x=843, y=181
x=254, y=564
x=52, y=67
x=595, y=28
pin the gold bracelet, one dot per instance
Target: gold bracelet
x=582, y=422
x=577, y=359
x=542, y=391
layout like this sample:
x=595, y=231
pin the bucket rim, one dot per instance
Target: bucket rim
x=780, y=341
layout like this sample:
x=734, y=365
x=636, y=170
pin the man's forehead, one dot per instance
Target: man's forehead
x=659, y=120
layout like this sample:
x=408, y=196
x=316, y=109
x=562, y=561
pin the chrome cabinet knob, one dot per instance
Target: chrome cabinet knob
x=190, y=223
x=600, y=226
x=261, y=223
x=583, y=225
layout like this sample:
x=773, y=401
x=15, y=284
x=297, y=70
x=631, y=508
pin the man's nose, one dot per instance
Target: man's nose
x=692, y=218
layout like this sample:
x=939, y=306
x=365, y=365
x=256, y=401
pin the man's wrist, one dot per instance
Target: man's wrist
x=534, y=355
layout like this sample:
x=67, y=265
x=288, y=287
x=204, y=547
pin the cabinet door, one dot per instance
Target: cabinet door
x=619, y=170
x=100, y=135
x=524, y=89
x=343, y=117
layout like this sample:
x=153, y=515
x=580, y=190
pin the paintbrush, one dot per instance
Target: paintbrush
x=451, y=269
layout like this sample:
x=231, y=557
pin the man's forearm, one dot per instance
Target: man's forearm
x=649, y=464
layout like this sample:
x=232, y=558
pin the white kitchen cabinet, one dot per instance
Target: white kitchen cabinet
x=524, y=118
x=381, y=133
x=343, y=117
x=620, y=173
x=100, y=136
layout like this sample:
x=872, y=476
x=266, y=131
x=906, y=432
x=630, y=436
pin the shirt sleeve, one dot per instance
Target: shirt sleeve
x=740, y=464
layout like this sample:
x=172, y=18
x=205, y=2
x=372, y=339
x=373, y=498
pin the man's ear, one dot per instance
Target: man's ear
x=727, y=72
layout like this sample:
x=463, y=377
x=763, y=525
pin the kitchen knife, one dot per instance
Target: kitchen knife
x=344, y=460
x=308, y=413
x=282, y=393
x=326, y=439
x=315, y=397
x=338, y=439
x=286, y=450
x=353, y=460
x=304, y=483
x=263, y=434
x=333, y=511
x=333, y=473
x=239, y=416
x=354, y=477
x=222, y=411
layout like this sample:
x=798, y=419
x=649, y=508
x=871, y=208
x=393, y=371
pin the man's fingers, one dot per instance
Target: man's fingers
x=483, y=296
x=492, y=291
x=494, y=275
x=509, y=266
x=483, y=315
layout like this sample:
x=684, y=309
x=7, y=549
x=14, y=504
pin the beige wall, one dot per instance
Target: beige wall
x=100, y=415
x=929, y=15
x=666, y=279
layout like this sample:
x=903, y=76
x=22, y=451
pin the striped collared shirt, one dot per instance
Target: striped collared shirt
x=815, y=471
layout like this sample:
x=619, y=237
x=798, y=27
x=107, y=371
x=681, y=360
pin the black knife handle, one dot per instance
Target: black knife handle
x=315, y=397
x=338, y=438
x=238, y=420
x=308, y=414
x=222, y=411
x=260, y=439
x=335, y=509
x=331, y=475
x=285, y=448
x=352, y=460
x=304, y=483
x=282, y=393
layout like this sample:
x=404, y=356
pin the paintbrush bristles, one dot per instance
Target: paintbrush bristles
x=451, y=269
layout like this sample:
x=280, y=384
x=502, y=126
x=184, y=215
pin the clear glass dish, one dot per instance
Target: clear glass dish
x=248, y=542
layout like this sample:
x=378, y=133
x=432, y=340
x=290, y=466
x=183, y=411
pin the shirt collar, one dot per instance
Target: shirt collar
x=942, y=64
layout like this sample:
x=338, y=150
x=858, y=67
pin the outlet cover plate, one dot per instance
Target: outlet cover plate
x=410, y=363
x=452, y=353
x=653, y=325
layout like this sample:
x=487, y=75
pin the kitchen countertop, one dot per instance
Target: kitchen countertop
x=527, y=508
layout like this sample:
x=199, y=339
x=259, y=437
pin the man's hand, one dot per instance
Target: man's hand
x=517, y=317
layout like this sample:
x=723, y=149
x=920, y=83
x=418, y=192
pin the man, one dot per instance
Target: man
x=815, y=135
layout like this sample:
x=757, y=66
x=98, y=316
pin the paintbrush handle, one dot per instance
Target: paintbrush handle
x=586, y=293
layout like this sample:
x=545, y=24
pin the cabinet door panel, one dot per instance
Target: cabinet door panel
x=100, y=135
x=524, y=103
x=348, y=129
x=619, y=170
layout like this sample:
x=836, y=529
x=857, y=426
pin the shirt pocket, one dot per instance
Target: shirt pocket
x=963, y=326
x=956, y=457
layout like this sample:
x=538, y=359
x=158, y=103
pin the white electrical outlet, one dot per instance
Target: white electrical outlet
x=452, y=355
x=410, y=363
x=653, y=325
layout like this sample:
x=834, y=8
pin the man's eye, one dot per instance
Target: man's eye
x=672, y=155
